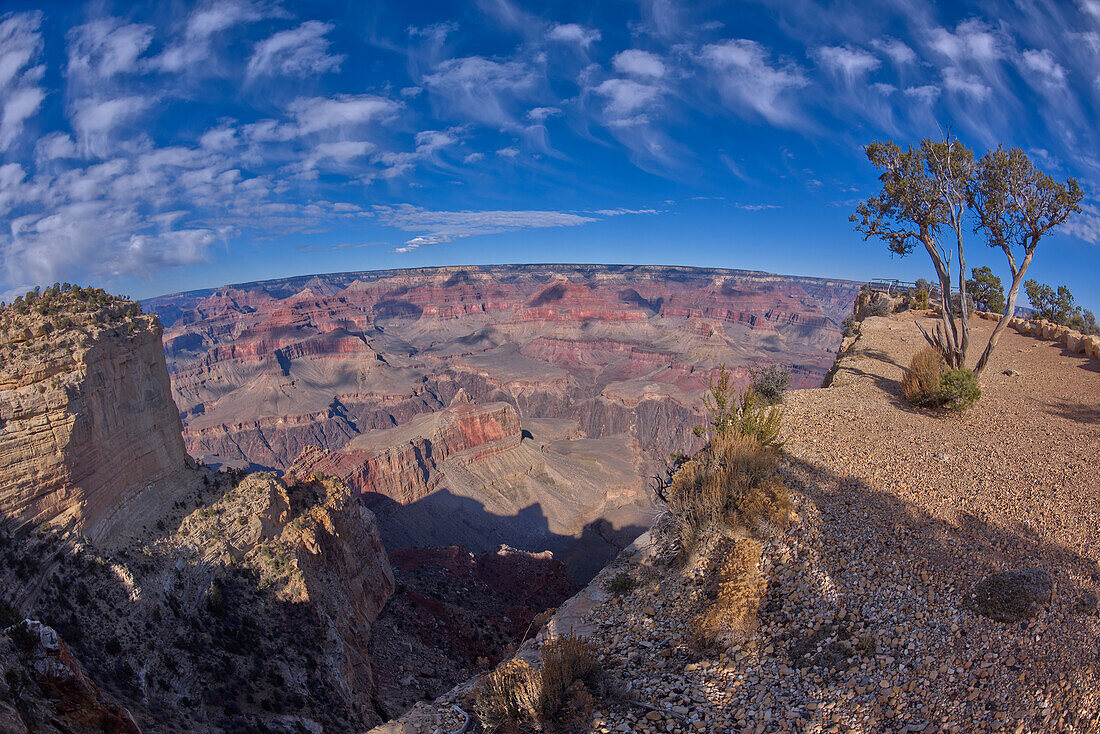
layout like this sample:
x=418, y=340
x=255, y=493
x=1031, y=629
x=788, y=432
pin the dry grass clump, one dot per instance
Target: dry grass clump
x=515, y=697
x=921, y=383
x=928, y=383
x=509, y=697
x=738, y=593
x=730, y=481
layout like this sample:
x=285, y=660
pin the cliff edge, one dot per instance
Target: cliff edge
x=90, y=440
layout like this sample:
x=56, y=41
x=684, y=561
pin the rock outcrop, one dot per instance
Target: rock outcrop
x=45, y=689
x=198, y=601
x=89, y=436
x=1074, y=341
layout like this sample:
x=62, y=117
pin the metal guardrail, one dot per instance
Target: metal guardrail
x=890, y=286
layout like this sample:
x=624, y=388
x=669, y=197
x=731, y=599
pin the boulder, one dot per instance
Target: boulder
x=1011, y=596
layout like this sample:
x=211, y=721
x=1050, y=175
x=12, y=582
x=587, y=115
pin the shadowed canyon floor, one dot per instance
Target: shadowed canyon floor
x=584, y=377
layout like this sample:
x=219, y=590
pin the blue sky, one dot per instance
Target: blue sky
x=164, y=146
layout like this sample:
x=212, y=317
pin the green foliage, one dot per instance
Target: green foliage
x=621, y=583
x=928, y=190
x=921, y=300
x=959, y=389
x=744, y=413
x=770, y=383
x=986, y=291
x=1054, y=306
x=1085, y=322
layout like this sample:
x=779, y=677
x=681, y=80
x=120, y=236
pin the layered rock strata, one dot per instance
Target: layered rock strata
x=89, y=436
x=472, y=475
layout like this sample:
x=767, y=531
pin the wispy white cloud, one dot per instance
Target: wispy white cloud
x=851, y=64
x=925, y=93
x=627, y=97
x=638, y=63
x=540, y=114
x=105, y=47
x=192, y=51
x=95, y=120
x=21, y=94
x=438, y=227
x=972, y=40
x=1041, y=64
x=898, y=51
x=481, y=89
x=969, y=85
x=301, y=52
x=751, y=84
x=573, y=33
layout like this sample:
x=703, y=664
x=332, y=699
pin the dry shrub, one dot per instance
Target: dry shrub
x=565, y=660
x=768, y=505
x=509, y=697
x=515, y=697
x=921, y=383
x=711, y=486
x=738, y=593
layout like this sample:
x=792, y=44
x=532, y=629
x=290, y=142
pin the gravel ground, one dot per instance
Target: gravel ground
x=868, y=625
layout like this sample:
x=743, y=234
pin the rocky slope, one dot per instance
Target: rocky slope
x=89, y=435
x=939, y=575
x=196, y=601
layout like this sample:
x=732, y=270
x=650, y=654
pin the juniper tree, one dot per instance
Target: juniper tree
x=923, y=199
x=1016, y=205
x=987, y=292
x=927, y=195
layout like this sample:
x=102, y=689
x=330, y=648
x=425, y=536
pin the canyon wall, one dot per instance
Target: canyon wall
x=471, y=475
x=90, y=439
x=603, y=365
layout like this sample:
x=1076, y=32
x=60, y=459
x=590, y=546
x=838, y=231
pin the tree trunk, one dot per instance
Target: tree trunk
x=964, y=307
x=1010, y=312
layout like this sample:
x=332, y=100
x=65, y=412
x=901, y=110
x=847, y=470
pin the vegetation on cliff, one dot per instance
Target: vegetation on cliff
x=61, y=318
x=940, y=188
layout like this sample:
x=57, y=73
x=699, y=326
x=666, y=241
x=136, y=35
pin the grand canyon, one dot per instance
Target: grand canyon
x=521, y=405
x=408, y=468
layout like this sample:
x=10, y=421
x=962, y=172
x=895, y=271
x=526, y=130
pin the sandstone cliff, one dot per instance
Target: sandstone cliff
x=197, y=601
x=89, y=436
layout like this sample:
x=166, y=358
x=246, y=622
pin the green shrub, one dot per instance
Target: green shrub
x=770, y=383
x=745, y=413
x=921, y=300
x=621, y=583
x=959, y=389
